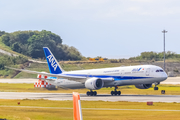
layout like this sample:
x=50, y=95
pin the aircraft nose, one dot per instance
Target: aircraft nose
x=165, y=75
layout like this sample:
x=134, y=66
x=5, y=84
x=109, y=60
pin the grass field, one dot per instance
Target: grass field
x=62, y=110
x=170, y=89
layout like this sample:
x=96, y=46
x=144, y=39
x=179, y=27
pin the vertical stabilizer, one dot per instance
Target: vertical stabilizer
x=53, y=65
x=77, y=106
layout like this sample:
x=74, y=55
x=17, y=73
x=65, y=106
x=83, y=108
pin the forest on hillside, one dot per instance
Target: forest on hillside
x=15, y=61
x=31, y=43
x=156, y=56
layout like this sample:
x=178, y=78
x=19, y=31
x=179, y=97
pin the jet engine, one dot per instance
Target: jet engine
x=94, y=83
x=143, y=86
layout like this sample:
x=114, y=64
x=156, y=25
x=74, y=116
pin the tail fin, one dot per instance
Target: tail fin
x=53, y=65
x=77, y=106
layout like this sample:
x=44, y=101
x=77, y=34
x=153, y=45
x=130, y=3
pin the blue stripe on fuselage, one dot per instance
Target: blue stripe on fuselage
x=108, y=76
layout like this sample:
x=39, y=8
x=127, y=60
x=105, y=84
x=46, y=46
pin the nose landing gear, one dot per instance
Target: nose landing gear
x=91, y=93
x=156, y=83
x=115, y=92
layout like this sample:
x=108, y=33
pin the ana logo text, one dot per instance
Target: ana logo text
x=52, y=61
x=136, y=69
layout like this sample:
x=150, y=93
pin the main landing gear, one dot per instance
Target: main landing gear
x=91, y=93
x=115, y=92
x=156, y=83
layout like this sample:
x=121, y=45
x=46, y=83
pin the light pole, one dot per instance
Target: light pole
x=164, y=31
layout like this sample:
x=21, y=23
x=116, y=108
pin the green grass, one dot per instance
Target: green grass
x=57, y=113
x=170, y=89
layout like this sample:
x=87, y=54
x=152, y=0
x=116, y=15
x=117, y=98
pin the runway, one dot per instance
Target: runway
x=24, y=80
x=170, y=80
x=100, y=97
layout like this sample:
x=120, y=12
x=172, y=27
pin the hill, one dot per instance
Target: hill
x=30, y=43
x=15, y=61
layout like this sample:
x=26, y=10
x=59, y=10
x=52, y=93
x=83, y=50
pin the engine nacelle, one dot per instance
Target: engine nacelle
x=94, y=83
x=143, y=86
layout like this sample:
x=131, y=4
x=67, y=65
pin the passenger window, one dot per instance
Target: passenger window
x=157, y=70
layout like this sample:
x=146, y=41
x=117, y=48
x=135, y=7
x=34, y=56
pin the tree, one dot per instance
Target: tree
x=16, y=47
x=30, y=43
x=2, y=33
x=5, y=39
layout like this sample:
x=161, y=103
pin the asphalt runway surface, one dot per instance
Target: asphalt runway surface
x=100, y=97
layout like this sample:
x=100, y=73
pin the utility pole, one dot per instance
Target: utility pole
x=164, y=31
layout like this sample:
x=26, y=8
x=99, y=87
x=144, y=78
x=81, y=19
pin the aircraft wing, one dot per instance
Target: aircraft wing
x=58, y=76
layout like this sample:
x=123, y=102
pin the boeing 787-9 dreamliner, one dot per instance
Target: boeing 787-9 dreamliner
x=142, y=76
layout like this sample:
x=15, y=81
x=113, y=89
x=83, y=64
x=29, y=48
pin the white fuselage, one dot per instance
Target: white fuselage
x=130, y=75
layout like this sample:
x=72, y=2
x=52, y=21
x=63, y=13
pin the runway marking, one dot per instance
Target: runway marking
x=111, y=109
x=101, y=97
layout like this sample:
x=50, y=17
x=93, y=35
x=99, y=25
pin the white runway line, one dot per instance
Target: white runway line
x=108, y=109
x=99, y=97
x=18, y=80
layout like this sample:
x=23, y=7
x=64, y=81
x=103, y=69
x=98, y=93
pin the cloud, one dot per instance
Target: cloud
x=96, y=10
x=143, y=1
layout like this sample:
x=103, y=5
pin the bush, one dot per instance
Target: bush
x=6, y=60
x=1, y=66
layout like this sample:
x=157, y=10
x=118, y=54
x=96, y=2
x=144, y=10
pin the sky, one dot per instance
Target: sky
x=107, y=28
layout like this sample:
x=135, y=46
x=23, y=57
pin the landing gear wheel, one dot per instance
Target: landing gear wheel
x=91, y=93
x=88, y=93
x=156, y=88
x=156, y=83
x=115, y=92
x=95, y=93
x=112, y=92
x=119, y=92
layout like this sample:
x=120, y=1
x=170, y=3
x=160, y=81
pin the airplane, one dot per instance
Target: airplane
x=142, y=76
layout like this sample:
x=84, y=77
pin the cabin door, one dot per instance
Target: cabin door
x=147, y=71
x=122, y=73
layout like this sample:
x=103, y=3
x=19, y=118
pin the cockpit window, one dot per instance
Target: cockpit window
x=159, y=71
